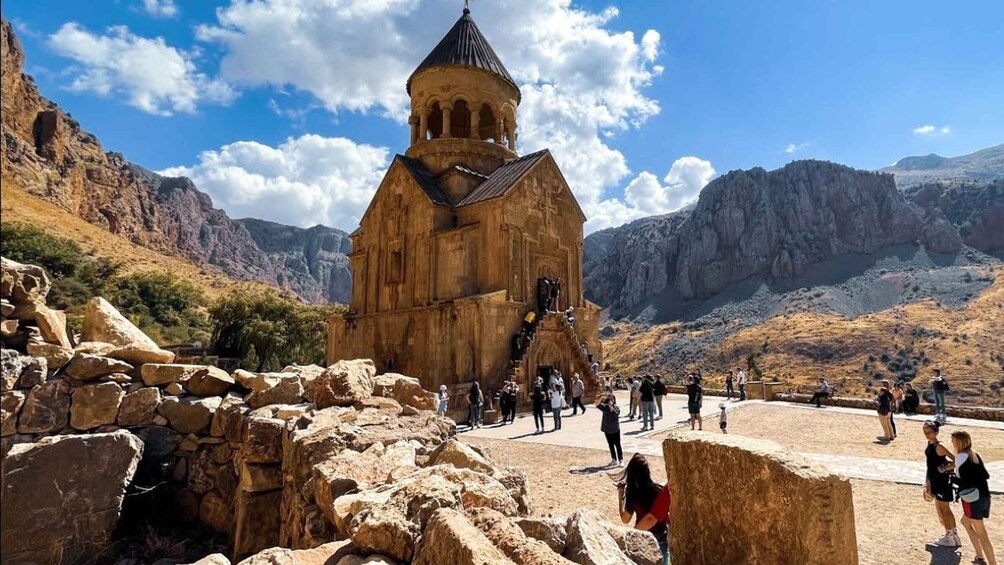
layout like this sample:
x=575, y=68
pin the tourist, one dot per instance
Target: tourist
x=504, y=402
x=974, y=492
x=940, y=386
x=647, y=501
x=555, y=293
x=570, y=316
x=611, y=427
x=741, y=381
x=474, y=401
x=911, y=400
x=884, y=401
x=517, y=346
x=594, y=368
x=513, y=400
x=528, y=322
x=729, y=379
x=723, y=419
x=543, y=294
x=938, y=483
x=634, y=385
x=647, y=391
x=660, y=391
x=537, y=399
x=695, y=397
x=444, y=398
x=822, y=391
x=578, y=388
x=557, y=400
x=895, y=405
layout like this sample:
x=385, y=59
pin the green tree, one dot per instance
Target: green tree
x=27, y=244
x=267, y=331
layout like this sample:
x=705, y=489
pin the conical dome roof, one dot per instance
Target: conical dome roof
x=464, y=45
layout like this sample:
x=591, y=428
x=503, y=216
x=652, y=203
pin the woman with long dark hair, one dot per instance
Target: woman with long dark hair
x=649, y=502
x=938, y=483
x=474, y=401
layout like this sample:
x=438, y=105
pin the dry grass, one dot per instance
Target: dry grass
x=892, y=521
x=798, y=349
x=19, y=206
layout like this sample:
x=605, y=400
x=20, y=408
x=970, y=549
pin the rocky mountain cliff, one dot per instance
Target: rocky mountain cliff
x=981, y=166
x=47, y=153
x=773, y=226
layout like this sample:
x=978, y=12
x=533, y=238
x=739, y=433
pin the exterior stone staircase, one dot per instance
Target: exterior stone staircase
x=571, y=341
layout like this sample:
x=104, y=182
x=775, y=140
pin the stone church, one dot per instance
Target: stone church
x=447, y=257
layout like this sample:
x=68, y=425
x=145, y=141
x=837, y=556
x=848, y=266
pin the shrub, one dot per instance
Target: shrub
x=266, y=330
x=28, y=244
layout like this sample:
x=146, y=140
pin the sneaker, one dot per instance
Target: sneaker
x=620, y=463
x=947, y=540
x=979, y=561
x=958, y=540
x=612, y=463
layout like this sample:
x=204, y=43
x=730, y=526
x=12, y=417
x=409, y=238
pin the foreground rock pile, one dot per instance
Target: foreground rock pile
x=332, y=465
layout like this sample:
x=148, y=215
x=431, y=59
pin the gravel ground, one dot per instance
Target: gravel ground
x=892, y=521
x=826, y=431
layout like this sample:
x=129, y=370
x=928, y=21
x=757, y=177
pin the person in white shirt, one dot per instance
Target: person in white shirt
x=578, y=388
x=741, y=381
x=557, y=400
x=822, y=391
x=444, y=398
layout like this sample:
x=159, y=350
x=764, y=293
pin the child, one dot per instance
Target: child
x=723, y=419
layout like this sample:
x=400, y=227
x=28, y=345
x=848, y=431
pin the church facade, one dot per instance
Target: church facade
x=447, y=256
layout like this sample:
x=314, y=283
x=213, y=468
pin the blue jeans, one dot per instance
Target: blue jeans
x=939, y=402
x=648, y=414
x=474, y=415
x=664, y=548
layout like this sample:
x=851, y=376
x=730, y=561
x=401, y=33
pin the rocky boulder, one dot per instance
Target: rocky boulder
x=551, y=531
x=46, y=408
x=451, y=538
x=102, y=322
x=62, y=496
x=56, y=356
x=331, y=553
x=24, y=287
x=189, y=414
x=10, y=407
x=159, y=374
x=211, y=381
x=407, y=391
x=52, y=325
x=458, y=454
x=640, y=546
x=95, y=405
x=286, y=391
x=589, y=543
x=344, y=383
x=88, y=367
x=508, y=537
x=139, y=408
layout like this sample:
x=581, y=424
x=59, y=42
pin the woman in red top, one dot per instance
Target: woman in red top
x=647, y=501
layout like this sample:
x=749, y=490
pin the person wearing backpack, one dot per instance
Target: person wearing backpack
x=974, y=492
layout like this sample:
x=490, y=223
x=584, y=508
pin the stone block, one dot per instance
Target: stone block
x=286, y=391
x=46, y=409
x=451, y=538
x=189, y=414
x=551, y=531
x=158, y=374
x=212, y=381
x=763, y=484
x=88, y=367
x=95, y=405
x=508, y=537
x=10, y=407
x=52, y=325
x=34, y=371
x=228, y=420
x=344, y=383
x=588, y=543
x=139, y=408
x=256, y=522
x=102, y=322
x=216, y=512
x=263, y=440
x=260, y=478
x=55, y=356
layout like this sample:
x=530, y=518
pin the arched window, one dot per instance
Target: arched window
x=460, y=120
x=486, y=123
x=435, y=122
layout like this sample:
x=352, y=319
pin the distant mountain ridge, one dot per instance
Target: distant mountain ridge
x=46, y=152
x=985, y=165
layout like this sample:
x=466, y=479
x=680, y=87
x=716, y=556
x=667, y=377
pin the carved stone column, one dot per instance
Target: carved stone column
x=413, y=122
x=423, y=124
x=499, y=131
x=512, y=140
x=475, y=124
x=447, y=114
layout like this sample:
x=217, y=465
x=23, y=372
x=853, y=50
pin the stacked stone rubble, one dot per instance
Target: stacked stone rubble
x=304, y=465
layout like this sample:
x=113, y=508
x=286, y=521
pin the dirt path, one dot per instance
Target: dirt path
x=893, y=522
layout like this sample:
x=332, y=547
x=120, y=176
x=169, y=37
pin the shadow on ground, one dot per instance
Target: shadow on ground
x=943, y=555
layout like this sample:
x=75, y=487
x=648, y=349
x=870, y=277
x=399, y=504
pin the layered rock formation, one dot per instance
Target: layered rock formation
x=980, y=166
x=975, y=210
x=47, y=153
x=775, y=225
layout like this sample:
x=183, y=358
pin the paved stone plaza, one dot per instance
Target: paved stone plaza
x=582, y=431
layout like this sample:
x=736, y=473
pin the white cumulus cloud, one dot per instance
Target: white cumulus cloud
x=795, y=147
x=581, y=80
x=149, y=73
x=680, y=187
x=160, y=8
x=305, y=181
x=931, y=130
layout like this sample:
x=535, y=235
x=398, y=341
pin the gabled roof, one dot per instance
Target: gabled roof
x=426, y=180
x=504, y=178
x=462, y=169
x=464, y=45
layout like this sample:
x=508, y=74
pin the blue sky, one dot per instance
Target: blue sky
x=290, y=110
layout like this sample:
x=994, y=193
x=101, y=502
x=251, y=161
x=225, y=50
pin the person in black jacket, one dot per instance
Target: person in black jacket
x=974, y=491
x=538, y=396
x=660, y=391
x=911, y=400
